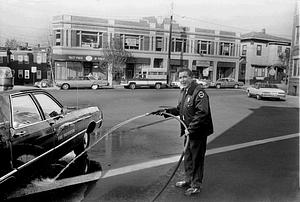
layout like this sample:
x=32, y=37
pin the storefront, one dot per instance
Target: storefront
x=71, y=66
x=134, y=66
x=226, y=69
x=202, y=69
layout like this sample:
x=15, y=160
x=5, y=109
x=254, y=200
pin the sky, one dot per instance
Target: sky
x=30, y=20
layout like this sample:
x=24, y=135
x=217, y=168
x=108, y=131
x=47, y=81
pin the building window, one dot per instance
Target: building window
x=226, y=49
x=279, y=50
x=89, y=39
x=26, y=59
x=204, y=47
x=20, y=59
x=178, y=45
x=258, y=50
x=297, y=35
x=244, y=49
x=58, y=37
x=159, y=44
x=132, y=42
x=259, y=72
x=158, y=63
x=296, y=67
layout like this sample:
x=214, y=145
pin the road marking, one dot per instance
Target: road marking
x=173, y=159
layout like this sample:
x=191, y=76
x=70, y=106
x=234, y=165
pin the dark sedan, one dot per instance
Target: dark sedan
x=37, y=130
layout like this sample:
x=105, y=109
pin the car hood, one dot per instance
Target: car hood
x=272, y=90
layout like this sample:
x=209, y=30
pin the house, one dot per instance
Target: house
x=263, y=57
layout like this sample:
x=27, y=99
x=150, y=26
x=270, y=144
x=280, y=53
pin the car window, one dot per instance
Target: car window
x=49, y=106
x=24, y=111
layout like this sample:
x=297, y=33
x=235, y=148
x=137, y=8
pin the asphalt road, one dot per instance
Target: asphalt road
x=252, y=156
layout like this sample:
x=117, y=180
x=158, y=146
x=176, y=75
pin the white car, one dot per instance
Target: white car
x=204, y=83
x=265, y=90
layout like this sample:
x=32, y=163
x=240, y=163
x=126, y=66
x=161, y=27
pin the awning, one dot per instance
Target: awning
x=179, y=62
x=226, y=64
x=146, y=61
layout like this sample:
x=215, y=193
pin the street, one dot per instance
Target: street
x=253, y=154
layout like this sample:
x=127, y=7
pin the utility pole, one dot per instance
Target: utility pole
x=169, y=50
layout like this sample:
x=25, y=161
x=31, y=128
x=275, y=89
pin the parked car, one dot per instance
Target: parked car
x=227, y=83
x=37, y=130
x=204, y=83
x=175, y=84
x=266, y=90
x=81, y=82
x=44, y=83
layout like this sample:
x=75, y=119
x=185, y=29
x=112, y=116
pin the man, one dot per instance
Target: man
x=194, y=110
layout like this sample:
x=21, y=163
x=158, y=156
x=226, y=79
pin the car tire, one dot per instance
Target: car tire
x=85, y=142
x=132, y=86
x=258, y=97
x=94, y=86
x=236, y=86
x=218, y=86
x=65, y=86
x=157, y=86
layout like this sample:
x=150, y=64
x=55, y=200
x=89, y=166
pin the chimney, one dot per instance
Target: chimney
x=263, y=31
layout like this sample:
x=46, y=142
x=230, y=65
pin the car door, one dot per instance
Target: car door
x=53, y=112
x=30, y=131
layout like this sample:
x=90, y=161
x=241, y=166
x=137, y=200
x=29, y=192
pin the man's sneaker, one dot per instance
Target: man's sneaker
x=192, y=190
x=183, y=184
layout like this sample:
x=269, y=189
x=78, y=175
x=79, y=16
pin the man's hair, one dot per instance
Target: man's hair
x=189, y=72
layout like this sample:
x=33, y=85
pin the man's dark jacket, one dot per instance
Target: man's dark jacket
x=194, y=110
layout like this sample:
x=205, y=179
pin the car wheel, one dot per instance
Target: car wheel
x=218, y=86
x=157, y=86
x=258, y=97
x=95, y=87
x=85, y=142
x=236, y=86
x=132, y=86
x=65, y=86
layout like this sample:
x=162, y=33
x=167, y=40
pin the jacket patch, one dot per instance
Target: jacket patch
x=201, y=94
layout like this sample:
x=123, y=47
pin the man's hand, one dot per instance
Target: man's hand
x=186, y=132
x=158, y=112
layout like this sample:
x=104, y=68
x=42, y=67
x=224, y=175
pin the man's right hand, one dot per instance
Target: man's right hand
x=158, y=112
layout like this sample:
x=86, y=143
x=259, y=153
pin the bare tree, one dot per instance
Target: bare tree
x=115, y=56
x=12, y=44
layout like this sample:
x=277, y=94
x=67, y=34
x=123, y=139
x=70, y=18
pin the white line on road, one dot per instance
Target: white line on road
x=173, y=159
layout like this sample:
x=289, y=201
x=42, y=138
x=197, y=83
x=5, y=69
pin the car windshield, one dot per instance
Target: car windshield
x=267, y=85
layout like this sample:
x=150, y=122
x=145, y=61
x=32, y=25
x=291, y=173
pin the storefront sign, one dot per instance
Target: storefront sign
x=202, y=63
x=78, y=58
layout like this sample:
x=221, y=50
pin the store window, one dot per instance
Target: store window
x=158, y=63
x=258, y=50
